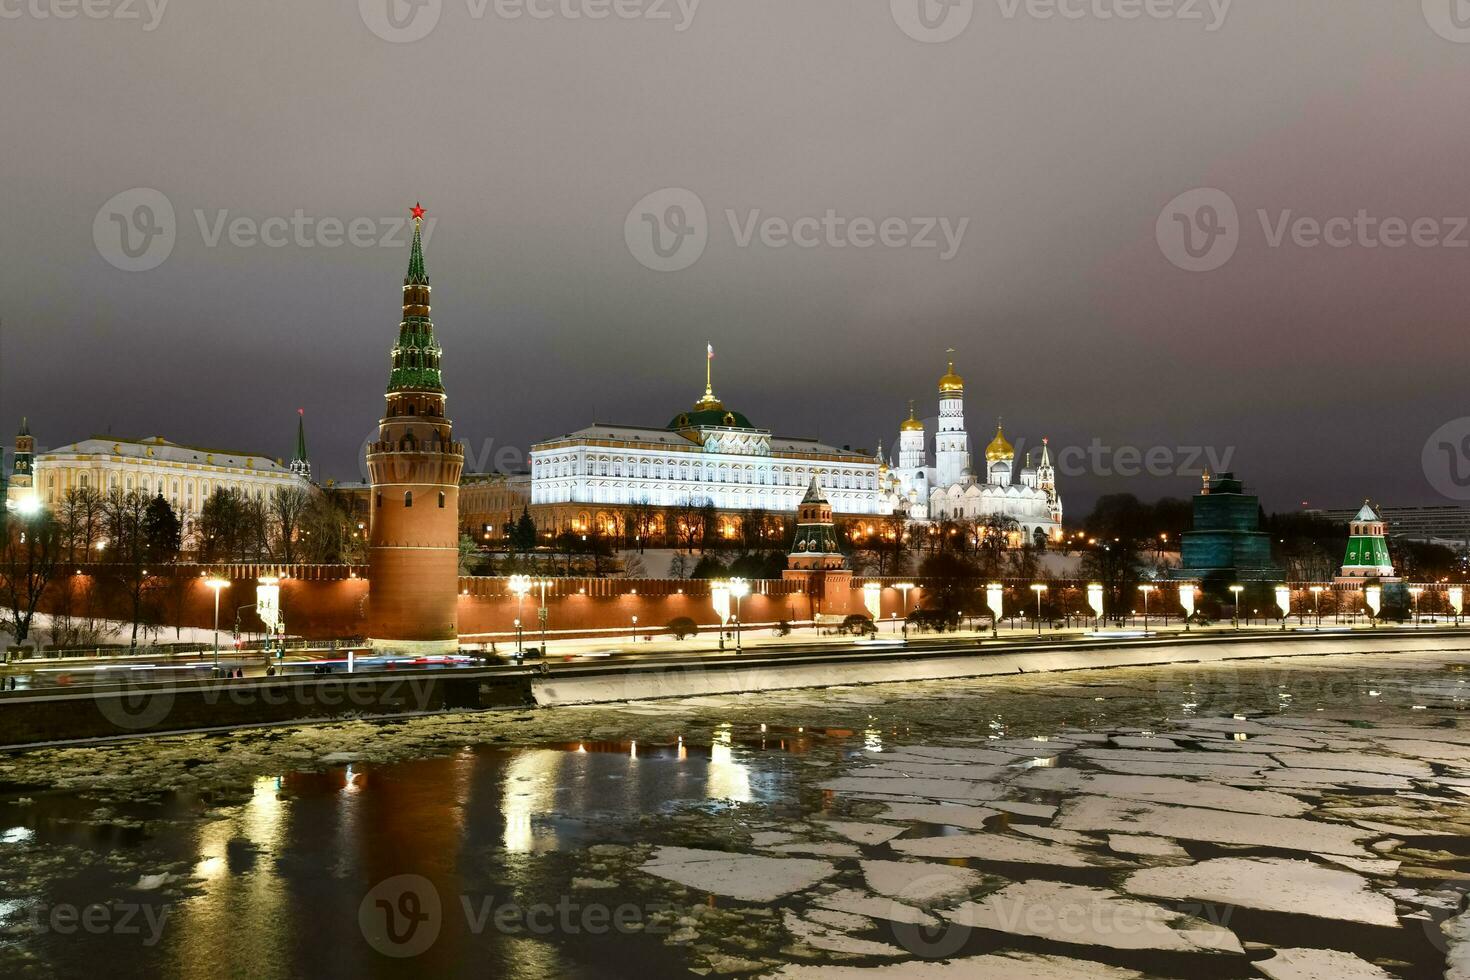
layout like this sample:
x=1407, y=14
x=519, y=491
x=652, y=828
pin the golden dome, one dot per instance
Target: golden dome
x=999, y=448
x=911, y=424
x=951, y=382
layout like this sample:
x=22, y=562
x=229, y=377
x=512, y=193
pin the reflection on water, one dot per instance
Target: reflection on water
x=273, y=883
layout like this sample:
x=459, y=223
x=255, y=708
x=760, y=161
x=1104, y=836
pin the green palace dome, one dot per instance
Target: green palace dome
x=709, y=411
x=708, y=417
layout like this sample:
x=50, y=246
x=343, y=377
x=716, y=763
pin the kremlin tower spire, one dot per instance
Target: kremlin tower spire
x=413, y=537
x=300, y=464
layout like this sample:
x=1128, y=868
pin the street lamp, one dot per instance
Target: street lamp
x=1457, y=601
x=1316, y=591
x=1186, y=601
x=1283, y=602
x=520, y=585
x=1373, y=597
x=1416, y=591
x=739, y=589
x=995, y=600
x=1038, y=589
x=1237, y=590
x=216, y=584
x=542, y=615
x=904, y=588
x=635, y=629
x=1095, y=600
x=873, y=600
x=719, y=593
x=1146, y=589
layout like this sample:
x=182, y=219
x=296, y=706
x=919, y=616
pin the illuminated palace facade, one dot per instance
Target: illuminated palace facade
x=708, y=456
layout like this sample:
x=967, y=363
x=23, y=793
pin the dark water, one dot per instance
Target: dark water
x=279, y=879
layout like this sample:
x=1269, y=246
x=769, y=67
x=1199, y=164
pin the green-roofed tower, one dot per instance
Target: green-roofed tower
x=416, y=355
x=415, y=467
x=301, y=463
x=1367, y=547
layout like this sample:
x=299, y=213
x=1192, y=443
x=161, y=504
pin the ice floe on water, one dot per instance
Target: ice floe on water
x=1271, y=884
x=750, y=877
x=1162, y=822
x=1085, y=916
x=1319, y=964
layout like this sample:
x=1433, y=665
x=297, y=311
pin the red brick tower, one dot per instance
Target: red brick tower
x=413, y=537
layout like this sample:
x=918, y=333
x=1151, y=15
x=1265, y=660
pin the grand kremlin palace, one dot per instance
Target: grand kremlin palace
x=709, y=455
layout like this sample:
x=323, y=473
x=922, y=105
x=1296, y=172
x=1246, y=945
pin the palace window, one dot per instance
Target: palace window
x=441, y=499
x=408, y=498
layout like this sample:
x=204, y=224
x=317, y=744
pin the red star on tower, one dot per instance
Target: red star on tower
x=418, y=212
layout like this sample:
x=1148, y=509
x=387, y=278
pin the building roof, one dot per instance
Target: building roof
x=951, y=382
x=1367, y=513
x=707, y=418
x=645, y=435
x=999, y=448
x=159, y=449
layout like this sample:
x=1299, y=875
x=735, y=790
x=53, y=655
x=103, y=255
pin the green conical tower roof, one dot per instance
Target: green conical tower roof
x=301, y=435
x=417, y=274
x=416, y=355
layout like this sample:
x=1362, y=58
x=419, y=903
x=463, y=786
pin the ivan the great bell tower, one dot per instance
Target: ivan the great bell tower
x=413, y=537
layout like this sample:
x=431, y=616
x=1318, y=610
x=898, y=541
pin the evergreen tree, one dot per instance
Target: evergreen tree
x=162, y=532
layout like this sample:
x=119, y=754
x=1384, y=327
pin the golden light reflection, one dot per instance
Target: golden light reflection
x=530, y=789
x=873, y=740
x=726, y=779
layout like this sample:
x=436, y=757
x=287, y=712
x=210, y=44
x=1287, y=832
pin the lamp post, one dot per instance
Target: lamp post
x=719, y=593
x=1373, y=598
x=1457, y=601
x=635, y=629
x=1236, y=590
x=216, y=584
x=1186, y=602
x=542, y=615
x=1146, y=589
x=1038, y=589
x=1416, y=591
x=739, y=589
x=520, y=585
x=1316, y=591
x=904, y=587
x=873, y=600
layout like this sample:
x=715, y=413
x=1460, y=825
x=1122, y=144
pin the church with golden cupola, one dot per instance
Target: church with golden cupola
x=1026, y=502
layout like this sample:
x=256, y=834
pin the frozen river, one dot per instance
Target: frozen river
x=1290, y=819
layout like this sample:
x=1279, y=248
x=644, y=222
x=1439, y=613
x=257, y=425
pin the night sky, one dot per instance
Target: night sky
x=1322, y=370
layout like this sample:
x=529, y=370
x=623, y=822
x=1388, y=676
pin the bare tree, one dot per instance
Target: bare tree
x=288, y=511
x=80, y=517
x=28, y=562
x=125, y=516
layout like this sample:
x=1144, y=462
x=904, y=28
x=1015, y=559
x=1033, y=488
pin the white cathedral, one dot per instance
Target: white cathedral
x=951, y=489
